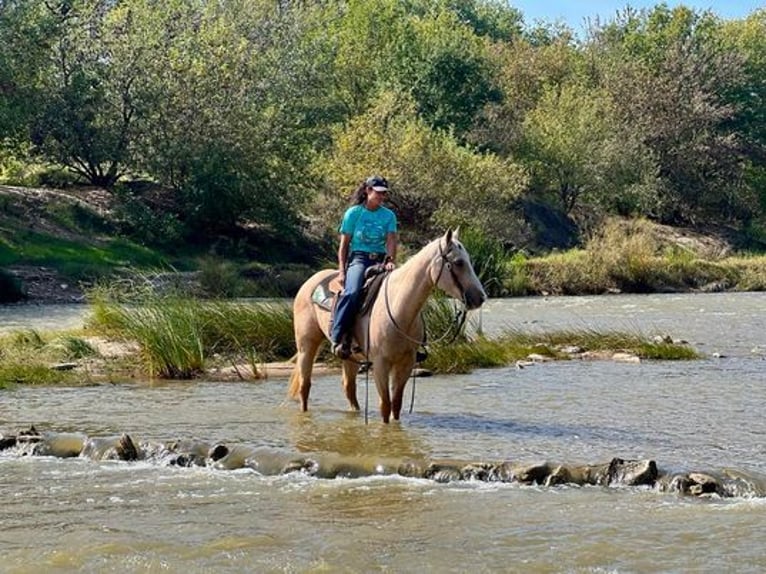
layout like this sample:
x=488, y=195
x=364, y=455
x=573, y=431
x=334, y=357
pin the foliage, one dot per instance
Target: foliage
x=436, y=183
x=517, y=281
x=488, y=258
x=253, y=118
x=634, y=256
x=27, y=357
x=566, y=134
x=220, y=279
x=669, y=77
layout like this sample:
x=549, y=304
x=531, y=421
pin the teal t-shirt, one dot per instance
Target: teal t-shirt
x=368, y=229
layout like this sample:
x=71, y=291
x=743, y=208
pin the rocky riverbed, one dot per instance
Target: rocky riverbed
x=44, y=285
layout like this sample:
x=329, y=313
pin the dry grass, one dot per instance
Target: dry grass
x=637, y=256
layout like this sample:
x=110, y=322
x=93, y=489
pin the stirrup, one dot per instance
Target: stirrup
x=421, y=356
x=341, y=351
x=364, y=366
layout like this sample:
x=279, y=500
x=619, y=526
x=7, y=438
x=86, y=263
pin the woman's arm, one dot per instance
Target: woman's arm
x=345, y=241
x=392, y=244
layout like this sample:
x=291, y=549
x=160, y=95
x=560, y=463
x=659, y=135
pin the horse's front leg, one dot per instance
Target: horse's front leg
x=399, y=375
x=350, y=370
x=380, y=373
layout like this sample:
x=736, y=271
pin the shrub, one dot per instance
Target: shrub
x=220, y=279
x=488, y=257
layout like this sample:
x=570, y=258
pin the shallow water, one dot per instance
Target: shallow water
x=77, y=514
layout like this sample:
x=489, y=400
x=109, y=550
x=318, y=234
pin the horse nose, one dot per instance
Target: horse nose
x=475, y=298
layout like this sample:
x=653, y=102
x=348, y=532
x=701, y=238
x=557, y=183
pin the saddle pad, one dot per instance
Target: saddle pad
x=324, y=294
x=328, y=289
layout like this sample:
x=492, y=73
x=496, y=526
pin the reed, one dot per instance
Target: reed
x=179, y=336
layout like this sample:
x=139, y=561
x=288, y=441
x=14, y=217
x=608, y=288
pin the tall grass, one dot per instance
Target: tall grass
x=178, y=336
x=489, y=260
x=633, y=257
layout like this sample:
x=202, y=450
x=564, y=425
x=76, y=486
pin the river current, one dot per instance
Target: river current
x=61, y=515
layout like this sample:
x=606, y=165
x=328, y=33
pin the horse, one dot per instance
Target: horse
x=391, y=332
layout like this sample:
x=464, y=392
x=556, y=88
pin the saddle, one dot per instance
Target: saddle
x=327, y=291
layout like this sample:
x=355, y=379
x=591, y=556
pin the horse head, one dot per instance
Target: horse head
x=453, y=273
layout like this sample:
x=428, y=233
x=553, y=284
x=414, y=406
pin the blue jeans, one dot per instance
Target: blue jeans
x=351, y=296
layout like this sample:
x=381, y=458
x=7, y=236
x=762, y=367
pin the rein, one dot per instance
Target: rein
x=460, y=316
x=455, y=327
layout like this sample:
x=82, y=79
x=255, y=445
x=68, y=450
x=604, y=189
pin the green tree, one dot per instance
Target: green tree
x=565, y=134
x=523, y=70
x=436, y=181
x=26, y=34
x=747, y=38
x=425, y=48
x=238, y=110
x=668, y=76
x=88, y=103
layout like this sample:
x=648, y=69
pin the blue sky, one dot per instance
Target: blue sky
x=574, y=12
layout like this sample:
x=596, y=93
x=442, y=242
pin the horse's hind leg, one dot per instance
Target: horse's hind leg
x=300, y=380
x=350, y=370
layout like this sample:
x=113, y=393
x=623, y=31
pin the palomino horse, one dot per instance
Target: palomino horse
x=391, y=332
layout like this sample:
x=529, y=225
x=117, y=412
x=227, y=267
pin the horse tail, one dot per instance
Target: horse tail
x=293, y=391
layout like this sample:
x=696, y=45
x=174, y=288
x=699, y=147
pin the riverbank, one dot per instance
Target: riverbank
x=170, y=339
x=55, y=245
x=43, y=285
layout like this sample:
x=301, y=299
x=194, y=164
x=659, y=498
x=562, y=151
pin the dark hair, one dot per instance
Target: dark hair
x=360, y=194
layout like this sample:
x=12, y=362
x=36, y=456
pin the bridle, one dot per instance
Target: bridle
x=460, y=316
x=449, y=264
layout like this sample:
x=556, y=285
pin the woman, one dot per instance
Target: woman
x=367, y=237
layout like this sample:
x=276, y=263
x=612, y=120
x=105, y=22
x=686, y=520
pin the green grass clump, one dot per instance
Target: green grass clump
x=31, y=374
x=465, y=356
x=512, y=346
x=28, y=357
x=666, y=352
x=178, y=336
x=591, y=340
x=168, y=331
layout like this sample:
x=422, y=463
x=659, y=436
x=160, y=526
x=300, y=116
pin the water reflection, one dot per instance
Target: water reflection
x=348, y=435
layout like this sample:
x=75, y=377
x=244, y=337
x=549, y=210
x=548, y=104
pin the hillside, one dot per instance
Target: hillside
x=58, y=242
x=55, y=243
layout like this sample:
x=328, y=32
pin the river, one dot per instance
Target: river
x=61, y=515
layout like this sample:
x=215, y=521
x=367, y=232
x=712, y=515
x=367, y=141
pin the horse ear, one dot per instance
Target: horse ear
x=448, y=237
x=456, y=233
